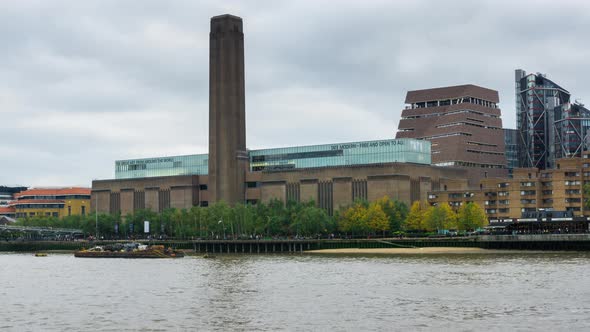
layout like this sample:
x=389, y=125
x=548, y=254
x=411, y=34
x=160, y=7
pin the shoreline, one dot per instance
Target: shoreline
x=420, y=251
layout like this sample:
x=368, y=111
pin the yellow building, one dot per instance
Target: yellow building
x=59, y=202
x=529, y=191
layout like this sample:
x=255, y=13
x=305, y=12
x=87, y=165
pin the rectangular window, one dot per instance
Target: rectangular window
x=252, y=184
x=83, y=210
x=572, y=191
x=572, y=182
x=573, y=200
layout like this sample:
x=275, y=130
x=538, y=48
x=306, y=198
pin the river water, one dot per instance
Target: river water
x=549, y=291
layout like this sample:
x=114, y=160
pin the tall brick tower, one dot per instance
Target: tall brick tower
x=228, y=159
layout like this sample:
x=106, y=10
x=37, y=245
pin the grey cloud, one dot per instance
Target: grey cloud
x=88, y=82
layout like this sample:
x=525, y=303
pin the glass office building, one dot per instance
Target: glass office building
x=326, y=155
x=197, y=164
x=536, y=99
x=550, y=125
x=511, y=146
x=571, y=130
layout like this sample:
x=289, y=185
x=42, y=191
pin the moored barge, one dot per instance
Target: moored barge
x=132, y=250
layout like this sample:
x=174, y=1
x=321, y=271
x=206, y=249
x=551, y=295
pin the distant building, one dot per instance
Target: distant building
x=5, y=220
x=50, y=202
x=464, y=125
x=332, y=175
x=571, y=130
x=7, y=194
x=549, y=125
x=529, y=190
x=7, y=211
x=511, y=146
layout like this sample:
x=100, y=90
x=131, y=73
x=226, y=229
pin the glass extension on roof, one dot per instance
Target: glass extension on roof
x=404, y=150
x=341, y=154
x=165, y=166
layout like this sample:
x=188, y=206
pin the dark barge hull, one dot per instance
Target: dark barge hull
x=115, y=254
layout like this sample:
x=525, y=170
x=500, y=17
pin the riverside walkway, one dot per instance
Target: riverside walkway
x=37, y=233
x=576, y=242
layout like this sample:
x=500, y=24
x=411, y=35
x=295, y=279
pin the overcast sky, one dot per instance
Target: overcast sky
x=84, y=83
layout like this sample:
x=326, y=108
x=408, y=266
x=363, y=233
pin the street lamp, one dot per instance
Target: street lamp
x=96, y=213
x=223, y=225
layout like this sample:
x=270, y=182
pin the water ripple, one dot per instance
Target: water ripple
x=301, y=293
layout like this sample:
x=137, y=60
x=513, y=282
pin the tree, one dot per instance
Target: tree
x=440, y=217
x=392, y=211
x=354, y=220
x=415, y=219
x=377, y=220
x=471, y=216
x=311, y=221
x=587, y=196
x=218, y=222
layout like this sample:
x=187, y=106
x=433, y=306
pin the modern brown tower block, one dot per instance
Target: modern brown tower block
x=228, y=159
x=463, y=124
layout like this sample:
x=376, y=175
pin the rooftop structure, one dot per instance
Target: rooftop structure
x=463, y=124
x=287, y=158
x=197, y=164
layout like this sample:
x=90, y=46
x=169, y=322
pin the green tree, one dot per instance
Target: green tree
x=218, y=219
x=377, y=220
x=471, y=216
x=440, y=217
x=586, y=197
x=354, y=220
x=396, y=212
x=311, y=221
x=415, y=219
